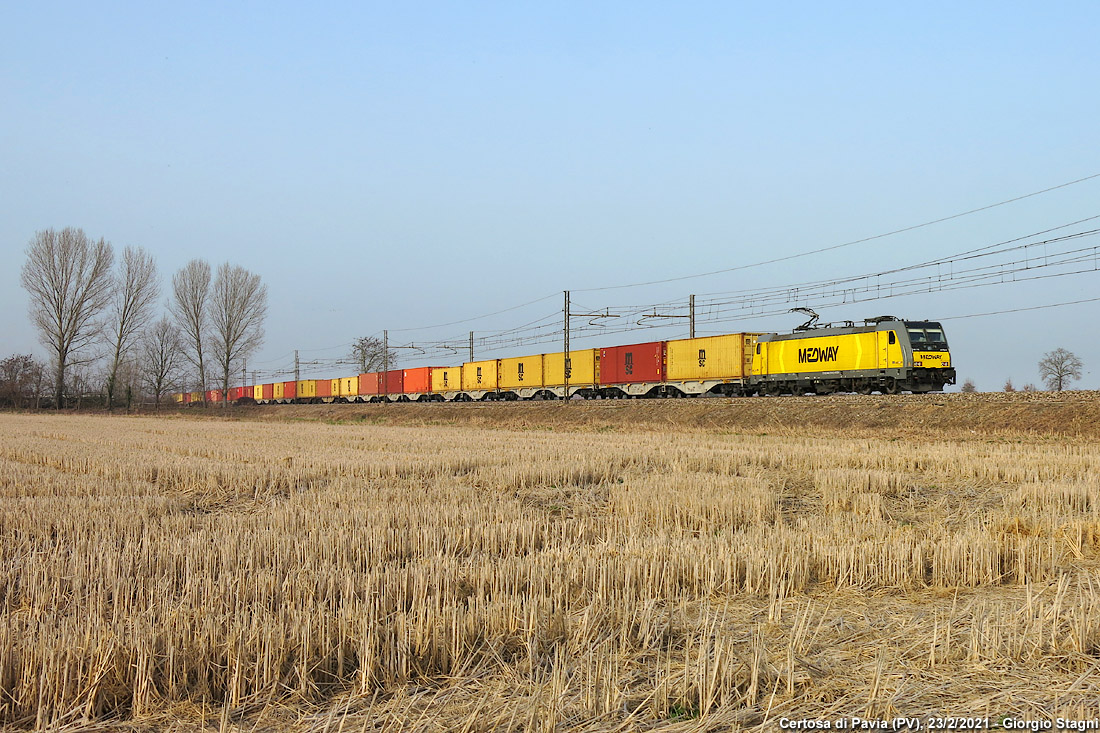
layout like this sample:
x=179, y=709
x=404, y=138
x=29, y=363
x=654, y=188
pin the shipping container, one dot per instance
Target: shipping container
x=306, y=389
x=184, y=398
x=323, y=387
x=583, y=368
x=213, y=395
x=521, y=371
x=278, y=390
x=290, y=389
x=479, y=375
x=348, y=387
x=418, y=380
x=196, y=396
x=391, y=382
x=710, y=358
x=235, y=393
x=446, y=379
x=633, y=363
x=368, y=384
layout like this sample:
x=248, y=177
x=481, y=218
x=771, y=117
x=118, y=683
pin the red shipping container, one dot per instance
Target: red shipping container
x=235, y=393
x=324, y=388
x=633, y=363
x=187, y=398
x=368, y=384
x=418, y=380
x=247, y=391
x=213, y=395
x=391, y=382
x=290, y=390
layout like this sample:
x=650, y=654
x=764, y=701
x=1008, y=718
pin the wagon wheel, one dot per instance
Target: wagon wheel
x=891, y=387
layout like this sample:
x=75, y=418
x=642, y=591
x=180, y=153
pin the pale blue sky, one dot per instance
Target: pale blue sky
x=393, y=166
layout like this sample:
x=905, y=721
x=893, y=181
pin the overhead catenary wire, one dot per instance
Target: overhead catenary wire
x=833, y=247
x=1021, y=310
x=774, y=300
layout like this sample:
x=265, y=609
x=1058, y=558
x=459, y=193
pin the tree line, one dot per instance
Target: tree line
x=99, y=321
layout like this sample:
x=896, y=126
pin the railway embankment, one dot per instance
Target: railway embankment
x=1065, y=414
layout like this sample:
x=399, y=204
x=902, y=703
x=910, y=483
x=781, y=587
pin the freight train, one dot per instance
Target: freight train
x=884, y=354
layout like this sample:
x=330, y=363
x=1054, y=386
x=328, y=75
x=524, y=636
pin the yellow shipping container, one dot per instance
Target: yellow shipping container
x=278, y=390
x=346, y=387
x=178, y=397
x=842, y=352
x=257, y=392
x=521, y=371
x=583, y=368
x=196, y=396
x=479, y=375
x=307, y=388
x=710, y=357
x=446, y=379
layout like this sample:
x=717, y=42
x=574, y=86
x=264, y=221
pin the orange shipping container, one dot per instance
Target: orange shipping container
x=418, y=380
x=368, y=384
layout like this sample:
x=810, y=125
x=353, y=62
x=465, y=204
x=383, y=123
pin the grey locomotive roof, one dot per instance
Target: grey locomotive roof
x=832, y=331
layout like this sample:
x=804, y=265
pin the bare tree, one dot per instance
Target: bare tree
x=69, y=280
x=1009, y=387
x=191, y=297
x=969, y=386
x=1057, y=368
x=136, y=290
x=366, y=351
x=20, y=376
x=238, y=306
x=160, y=357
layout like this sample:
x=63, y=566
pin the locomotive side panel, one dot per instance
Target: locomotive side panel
x=842, y=352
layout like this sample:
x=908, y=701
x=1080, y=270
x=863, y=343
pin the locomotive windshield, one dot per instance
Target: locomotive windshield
x=926, y=335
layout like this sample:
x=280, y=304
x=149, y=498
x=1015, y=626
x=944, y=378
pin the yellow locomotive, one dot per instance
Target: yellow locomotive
x=884, y=354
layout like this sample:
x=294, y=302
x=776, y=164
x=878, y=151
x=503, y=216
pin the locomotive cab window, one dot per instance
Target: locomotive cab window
x=927, y=335
x=893, y=337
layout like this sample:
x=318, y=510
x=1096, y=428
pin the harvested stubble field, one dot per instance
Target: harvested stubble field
x=541, y=573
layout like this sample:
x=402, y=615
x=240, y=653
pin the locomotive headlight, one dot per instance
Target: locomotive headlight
x=918, y=363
